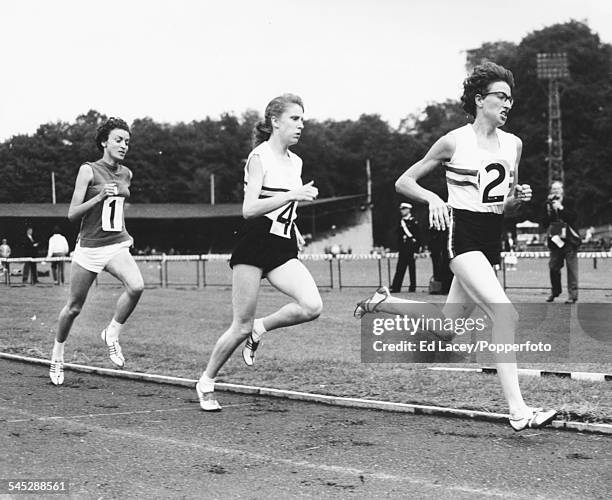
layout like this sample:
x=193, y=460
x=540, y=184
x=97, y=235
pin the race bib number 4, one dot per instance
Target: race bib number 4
x=281, y=225
x=112, y=214
x=494, y=181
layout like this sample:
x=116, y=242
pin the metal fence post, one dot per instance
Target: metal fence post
x=204, y=259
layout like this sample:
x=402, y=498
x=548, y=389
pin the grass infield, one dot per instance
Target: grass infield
x=173, y=331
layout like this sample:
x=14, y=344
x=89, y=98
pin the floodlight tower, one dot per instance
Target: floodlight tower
x=552, y=66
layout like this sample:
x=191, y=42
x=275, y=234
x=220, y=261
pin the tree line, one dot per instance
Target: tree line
x=173, y=163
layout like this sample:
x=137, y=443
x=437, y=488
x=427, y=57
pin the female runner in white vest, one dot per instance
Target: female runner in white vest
x=268, y=242
x=100, y=191
x=481, y=163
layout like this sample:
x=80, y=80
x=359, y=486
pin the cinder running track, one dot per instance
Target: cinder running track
x=114, y=438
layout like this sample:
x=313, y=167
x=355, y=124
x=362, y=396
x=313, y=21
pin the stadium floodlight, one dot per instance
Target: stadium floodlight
x=552, y=66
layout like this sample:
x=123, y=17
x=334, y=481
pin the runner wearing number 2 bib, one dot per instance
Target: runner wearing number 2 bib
x=479, y=181
x=481, y=166
x=103, y=243
x=267, y=242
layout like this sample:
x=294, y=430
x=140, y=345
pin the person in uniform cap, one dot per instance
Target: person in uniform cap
x=408, y=244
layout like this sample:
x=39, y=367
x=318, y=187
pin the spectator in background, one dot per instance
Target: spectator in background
x=29, y=249
x=442, y=275
x=409, y=241
x=508, y=243
x=5, y=253
x=509, y=246
x=563, y=242
x=58, y=247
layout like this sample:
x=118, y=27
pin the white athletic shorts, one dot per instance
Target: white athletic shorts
x=94, y=259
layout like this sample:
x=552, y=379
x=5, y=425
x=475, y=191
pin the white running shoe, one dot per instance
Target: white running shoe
x=203, y=395
x=370, y=304
x=538, y=418
x=56, y=372
x=248, y=351
x=114, y=351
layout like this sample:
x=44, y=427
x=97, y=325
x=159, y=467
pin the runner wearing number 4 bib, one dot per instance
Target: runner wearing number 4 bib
x=103, y=243
x=481, y=166
x=267, y=242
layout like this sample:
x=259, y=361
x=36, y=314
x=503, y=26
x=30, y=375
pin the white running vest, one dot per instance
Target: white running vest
x=479, y=180
x=277, y=178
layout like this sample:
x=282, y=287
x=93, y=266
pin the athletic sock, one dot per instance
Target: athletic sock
x=58, y=351
x=207, y=383
x=258, y=329
x=113, y=330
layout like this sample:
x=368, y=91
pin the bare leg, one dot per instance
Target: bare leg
x=475, y=283
x=245, y=288
x=294, y=280
x=434, y=315
x=80, y=283
x=480, y=285
x=124, y=268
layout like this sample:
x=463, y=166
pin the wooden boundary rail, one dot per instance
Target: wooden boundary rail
x=334, y=267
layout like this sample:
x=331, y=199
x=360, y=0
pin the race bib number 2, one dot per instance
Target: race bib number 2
x=112, y=214
x=281, y=226
x=494, y=183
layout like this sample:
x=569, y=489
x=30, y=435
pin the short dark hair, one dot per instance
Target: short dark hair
x=110, y=124
x=478, y=82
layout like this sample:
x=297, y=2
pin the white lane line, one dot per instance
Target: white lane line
x=319, y=398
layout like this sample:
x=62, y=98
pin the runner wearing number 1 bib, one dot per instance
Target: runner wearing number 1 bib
x=481, y=167
x=103, y=243
x=267, y=243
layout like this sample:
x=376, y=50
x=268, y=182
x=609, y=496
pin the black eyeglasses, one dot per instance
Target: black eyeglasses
x=502, y=95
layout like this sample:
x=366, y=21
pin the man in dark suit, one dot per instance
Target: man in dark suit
x=563, y=242
x=409, y=241
x=29, y=248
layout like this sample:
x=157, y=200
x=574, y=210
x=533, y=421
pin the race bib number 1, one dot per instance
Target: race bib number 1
x=281, y=226
x=112, y=213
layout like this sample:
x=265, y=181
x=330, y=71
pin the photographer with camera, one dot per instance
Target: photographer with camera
x=563, y=242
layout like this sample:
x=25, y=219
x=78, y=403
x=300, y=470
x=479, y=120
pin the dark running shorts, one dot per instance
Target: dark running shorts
x=475, y=231
x=257, y=247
